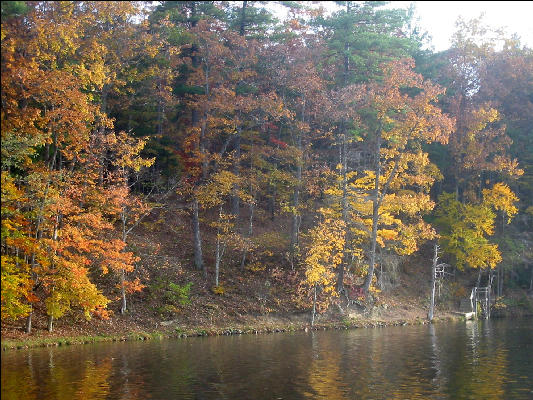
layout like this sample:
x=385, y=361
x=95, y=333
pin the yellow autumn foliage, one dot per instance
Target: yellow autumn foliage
x=325, y=254
x=465, y=228
x=501, y=198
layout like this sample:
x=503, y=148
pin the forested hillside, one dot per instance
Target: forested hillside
x=180, y=155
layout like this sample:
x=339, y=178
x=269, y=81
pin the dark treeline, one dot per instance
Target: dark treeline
x=340, y=124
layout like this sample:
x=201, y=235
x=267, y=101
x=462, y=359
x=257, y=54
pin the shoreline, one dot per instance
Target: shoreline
x=182, y=333
x=121, y=329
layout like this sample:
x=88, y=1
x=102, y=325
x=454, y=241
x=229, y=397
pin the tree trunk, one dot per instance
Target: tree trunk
x=295, y=224
x=124, y=219
x=373, y=241
x=197, y=240
x=195, y=119
x=50, y=323
x=28, y=321
x=503, y=279
x=195, y=61
x=272, y=202
x=250, y=233
x=343, y=162
x=202, y=145
x=38, y=235
x=500, y=280
x=374, y=234
x=488, y=296
x=314, y=308
x=251, y=206
x=296, y=204
x=236, y=171
x=217, y=260
x=433, y=281
x=236, y=163
x=218, y=254
x=243, y=19
x=159, y=110
x=296, y=197
x=344, y=205
x=123, y=307
x=381, y=281
x=496, y=276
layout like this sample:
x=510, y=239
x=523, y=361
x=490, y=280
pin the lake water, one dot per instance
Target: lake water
x=456, y=360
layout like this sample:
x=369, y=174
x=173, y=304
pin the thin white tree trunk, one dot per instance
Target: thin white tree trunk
x=433, y=280
x=314, y=308
x=123, y=307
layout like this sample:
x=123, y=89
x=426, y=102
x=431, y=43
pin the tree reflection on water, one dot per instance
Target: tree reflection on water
x=484, y=359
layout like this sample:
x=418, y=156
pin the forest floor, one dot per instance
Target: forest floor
x=249, y=300
x=214, y=314
x=205, y=322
